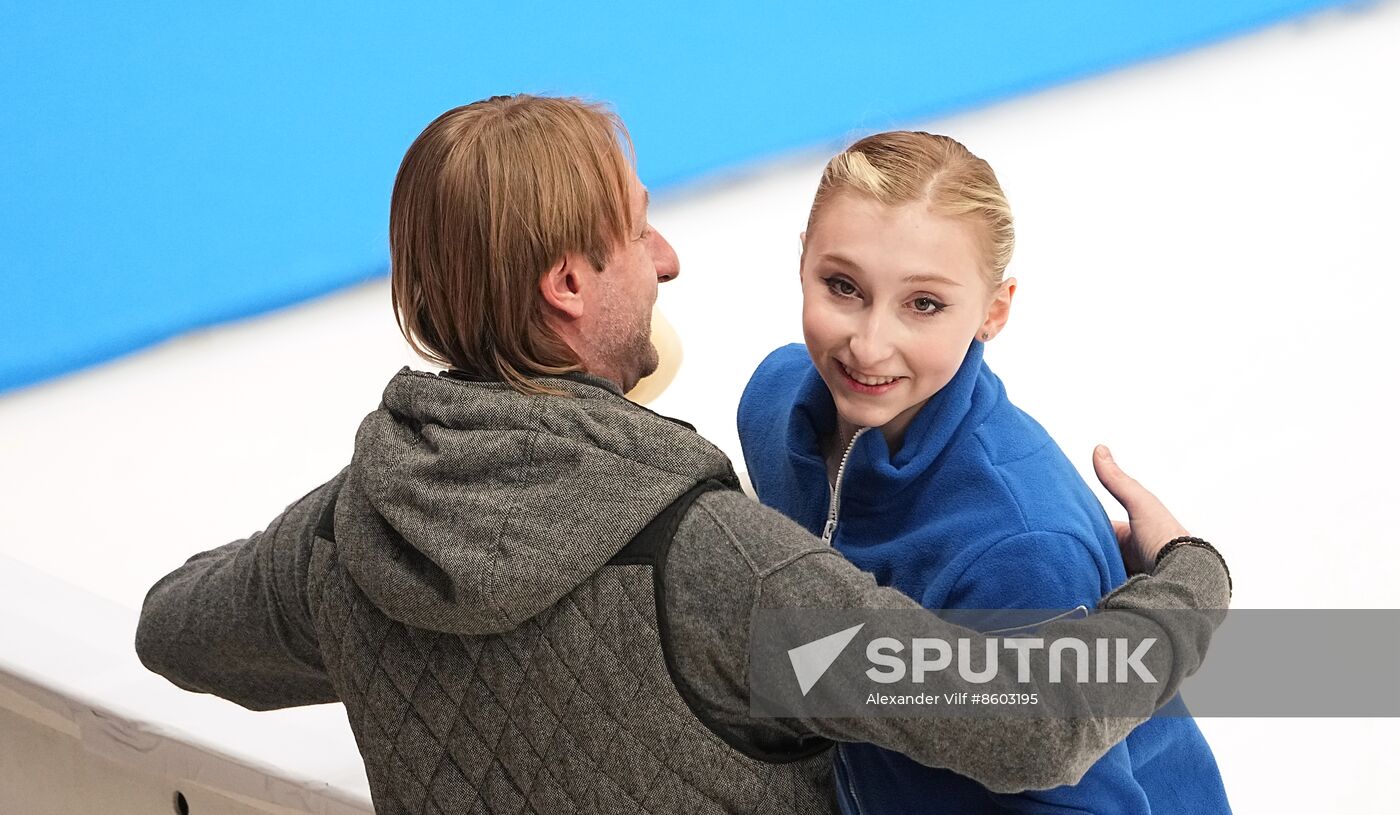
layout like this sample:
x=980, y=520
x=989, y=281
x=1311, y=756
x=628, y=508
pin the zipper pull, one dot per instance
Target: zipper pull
x=829, y=530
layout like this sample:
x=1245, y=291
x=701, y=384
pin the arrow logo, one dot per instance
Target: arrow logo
x=812, y=660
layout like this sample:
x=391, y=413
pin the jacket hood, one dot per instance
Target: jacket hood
x=469, y=508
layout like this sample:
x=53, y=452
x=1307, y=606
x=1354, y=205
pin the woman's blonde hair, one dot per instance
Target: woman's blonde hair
x=902, y=167
x=487, y=199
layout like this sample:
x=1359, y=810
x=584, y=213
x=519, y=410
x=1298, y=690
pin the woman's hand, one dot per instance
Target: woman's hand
x=1150, y=525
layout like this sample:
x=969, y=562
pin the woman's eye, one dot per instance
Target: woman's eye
x=840, y=286
x=927, y=305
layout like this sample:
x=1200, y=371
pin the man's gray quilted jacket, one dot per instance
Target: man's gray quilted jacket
x=453, y=588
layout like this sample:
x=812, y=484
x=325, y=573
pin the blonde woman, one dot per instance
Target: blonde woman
x=890, y=437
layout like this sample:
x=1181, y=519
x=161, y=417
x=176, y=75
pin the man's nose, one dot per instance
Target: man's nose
x=668, y=266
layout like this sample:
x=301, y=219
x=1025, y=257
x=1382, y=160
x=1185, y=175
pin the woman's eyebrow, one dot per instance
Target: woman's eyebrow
x=839, y=260
x=931, y=278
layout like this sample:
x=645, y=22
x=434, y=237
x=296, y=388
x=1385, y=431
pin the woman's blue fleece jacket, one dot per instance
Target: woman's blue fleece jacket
x=979, y=509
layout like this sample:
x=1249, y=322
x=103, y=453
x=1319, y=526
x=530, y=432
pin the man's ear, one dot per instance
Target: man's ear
x=999, y=311
x=564, y=286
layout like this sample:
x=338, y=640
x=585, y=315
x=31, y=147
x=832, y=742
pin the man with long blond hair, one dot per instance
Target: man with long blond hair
x=533, y=595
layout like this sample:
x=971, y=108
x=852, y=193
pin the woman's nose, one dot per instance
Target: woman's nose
x=870, y=344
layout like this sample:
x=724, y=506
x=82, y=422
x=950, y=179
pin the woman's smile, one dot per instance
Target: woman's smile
x=867, y=385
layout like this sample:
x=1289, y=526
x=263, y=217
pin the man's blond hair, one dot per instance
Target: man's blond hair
x=488, y=198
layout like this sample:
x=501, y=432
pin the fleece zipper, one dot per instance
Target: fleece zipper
x=834, y=511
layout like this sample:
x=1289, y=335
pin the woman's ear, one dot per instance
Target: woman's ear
x=563, y=286
x=998, y=311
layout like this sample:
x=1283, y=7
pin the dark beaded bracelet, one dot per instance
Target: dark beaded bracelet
x=1189, y=540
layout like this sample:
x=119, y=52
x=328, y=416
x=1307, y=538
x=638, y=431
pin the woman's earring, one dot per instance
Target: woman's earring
x=986, y=335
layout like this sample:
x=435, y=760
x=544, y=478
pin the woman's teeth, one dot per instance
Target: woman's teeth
x=868, y=380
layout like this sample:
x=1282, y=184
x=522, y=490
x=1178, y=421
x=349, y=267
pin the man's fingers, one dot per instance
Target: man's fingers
x=1118, y=483
x=1150, y=525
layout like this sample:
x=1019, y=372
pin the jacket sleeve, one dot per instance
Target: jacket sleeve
x=731, y=556
x=1054, y=572
x=236, y=621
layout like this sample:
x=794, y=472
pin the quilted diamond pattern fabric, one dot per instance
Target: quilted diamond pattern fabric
x=572, y=712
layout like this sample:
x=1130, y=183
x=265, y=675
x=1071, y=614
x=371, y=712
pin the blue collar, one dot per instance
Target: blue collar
x=873, y=476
